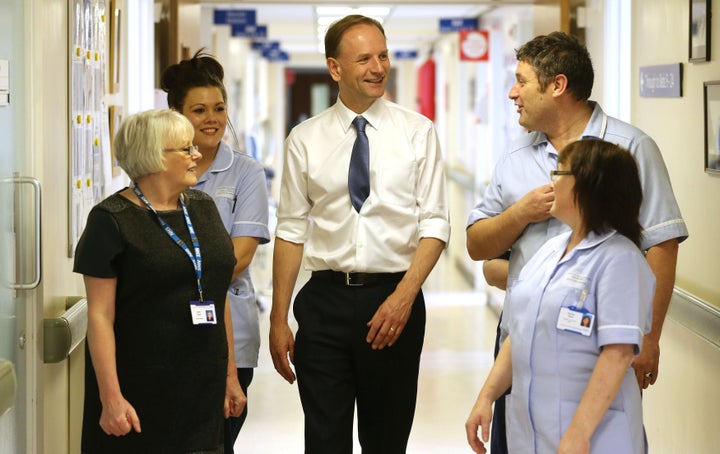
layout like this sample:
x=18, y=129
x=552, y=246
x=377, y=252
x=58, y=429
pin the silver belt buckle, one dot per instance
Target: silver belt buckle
x=348, y=283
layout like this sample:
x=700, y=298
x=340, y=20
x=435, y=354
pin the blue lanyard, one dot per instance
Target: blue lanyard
x=195, y=259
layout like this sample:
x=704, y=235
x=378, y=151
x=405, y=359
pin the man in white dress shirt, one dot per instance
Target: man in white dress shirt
x=361, y=316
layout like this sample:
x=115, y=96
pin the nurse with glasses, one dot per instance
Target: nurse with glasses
x=576, y=317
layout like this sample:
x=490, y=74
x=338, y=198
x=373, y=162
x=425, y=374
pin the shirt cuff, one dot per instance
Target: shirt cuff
x=292, y=230
x=435, y=228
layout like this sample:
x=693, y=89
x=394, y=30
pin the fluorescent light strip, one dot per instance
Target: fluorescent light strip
x=333, y=10
x=341, y=11
x=326, y=15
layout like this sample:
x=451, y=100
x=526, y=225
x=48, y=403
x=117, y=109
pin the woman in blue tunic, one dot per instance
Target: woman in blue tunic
x=576, y=318
x=237, y=184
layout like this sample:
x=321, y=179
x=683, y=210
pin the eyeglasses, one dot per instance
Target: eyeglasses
x=190, y=150
x=554, y=174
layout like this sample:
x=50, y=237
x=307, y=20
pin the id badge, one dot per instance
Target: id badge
x=576, y=320
x=203, y=313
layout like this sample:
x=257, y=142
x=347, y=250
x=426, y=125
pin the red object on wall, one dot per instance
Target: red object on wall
x=474, y=45
x=289, y=76
x=426, y=89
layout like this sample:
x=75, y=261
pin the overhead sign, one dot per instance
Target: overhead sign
x=455, y=25
x=276, y=55
x=262, y=46
x=234, y=16
x=249, y=31
x=474, y=45
x=405, y=54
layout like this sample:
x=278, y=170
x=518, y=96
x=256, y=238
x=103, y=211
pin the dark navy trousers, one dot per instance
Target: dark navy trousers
x=338, y=370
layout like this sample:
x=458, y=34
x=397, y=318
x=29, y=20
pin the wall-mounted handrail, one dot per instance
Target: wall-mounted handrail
x=695, y=314
x=63, y=334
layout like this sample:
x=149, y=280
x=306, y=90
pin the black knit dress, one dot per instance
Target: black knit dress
x=172, y=372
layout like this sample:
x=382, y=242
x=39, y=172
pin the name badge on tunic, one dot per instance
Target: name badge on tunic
x=203, y=313
x=575, y=320
x=575, y=280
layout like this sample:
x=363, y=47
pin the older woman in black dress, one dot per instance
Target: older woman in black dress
x=156, y=262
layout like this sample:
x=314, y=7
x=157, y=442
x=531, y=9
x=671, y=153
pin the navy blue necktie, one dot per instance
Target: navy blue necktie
x=359, y=173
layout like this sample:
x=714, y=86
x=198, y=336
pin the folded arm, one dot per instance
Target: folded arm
x=490, y=237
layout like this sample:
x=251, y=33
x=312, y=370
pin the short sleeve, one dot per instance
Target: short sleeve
x=624, y=300
x=251, y=213
x=99, y=246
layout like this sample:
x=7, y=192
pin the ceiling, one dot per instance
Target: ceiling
x=410, y=25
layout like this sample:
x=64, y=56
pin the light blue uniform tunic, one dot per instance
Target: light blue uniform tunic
x=552, y=367
x=237, y=183
x=527, y=165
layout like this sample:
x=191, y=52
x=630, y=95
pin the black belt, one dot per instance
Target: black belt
x=358, y=279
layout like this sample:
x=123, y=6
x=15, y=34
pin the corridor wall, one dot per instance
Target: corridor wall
x=689, y=368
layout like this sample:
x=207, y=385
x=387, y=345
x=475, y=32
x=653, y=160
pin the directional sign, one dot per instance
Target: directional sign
x=276, y=55
x=262, y=46
x=234, y=16
x=455, y=25
x=249, y=31
x=405, y=54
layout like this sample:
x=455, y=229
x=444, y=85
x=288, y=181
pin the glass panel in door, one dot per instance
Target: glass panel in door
x=13, y=197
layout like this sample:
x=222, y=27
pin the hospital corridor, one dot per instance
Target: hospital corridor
x=470, y=113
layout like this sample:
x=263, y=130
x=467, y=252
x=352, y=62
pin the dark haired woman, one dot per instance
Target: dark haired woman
x=573, y=390
x=237, y=183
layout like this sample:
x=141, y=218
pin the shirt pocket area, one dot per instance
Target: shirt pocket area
x=398, y=184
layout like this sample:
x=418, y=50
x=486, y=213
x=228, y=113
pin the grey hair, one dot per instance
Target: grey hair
x=142, y=137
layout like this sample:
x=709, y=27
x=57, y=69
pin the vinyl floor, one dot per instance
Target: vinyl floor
x=456, y=358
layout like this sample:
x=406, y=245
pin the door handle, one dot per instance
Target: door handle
x=18, y=180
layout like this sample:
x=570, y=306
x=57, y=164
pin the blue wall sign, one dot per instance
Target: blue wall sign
x=248, y=31
x=455, y=25
x=276, y=55
x=234, y=16
x=405, y=54
x=262, y=46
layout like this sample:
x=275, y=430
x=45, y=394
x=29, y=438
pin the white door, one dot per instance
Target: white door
x=19, y=233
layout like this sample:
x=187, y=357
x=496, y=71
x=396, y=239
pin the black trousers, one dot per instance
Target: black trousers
x=498, y=438
x=234, y=424
x=337, y=369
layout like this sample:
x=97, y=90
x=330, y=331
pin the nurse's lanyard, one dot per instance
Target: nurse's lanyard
x=195, y=259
